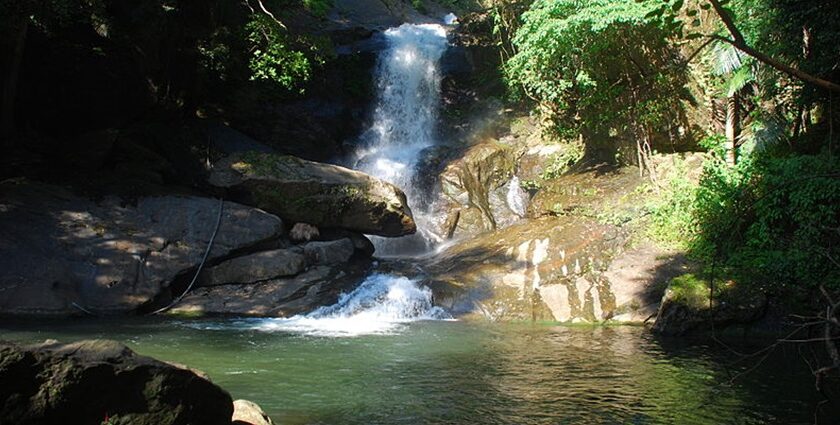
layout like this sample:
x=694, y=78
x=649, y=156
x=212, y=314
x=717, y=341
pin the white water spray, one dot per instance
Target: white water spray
x=382, y=304
x=516, y=197
x=405, y=121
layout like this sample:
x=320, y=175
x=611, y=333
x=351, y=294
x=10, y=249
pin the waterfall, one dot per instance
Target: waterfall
x=516, y=197
x=404, y=123
x=382, y=304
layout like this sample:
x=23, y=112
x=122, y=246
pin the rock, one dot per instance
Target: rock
x=229, y=140
x=545, y=269
x=569, y=267
x=329, y=252
x=95, y=148
x=249, y=413
x=60, y=253
x=322, y=195
x=318, y=286
x=533, y=162
x=257, y=267
x=363, y=246
x=686, y=306
x=303, y=232
x=475, y=184
x=88, y=381
x=638, y=277
x=584, y=193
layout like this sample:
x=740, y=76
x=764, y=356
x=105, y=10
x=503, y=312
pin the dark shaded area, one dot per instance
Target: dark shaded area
x=122, y=98
x=53, y=383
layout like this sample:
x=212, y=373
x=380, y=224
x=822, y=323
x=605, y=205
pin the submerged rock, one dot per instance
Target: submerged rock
x=322, y=195
x=88, y=381
x=61, y=253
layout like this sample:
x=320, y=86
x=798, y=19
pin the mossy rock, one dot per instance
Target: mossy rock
x=322, y=195
x=690, y=304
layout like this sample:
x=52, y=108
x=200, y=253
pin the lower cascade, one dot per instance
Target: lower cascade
x=380, y=305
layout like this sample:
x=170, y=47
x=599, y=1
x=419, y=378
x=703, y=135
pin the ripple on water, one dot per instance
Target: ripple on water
x=436, y=372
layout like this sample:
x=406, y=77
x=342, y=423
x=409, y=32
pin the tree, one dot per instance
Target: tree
x=600, y=68
x=736, y=38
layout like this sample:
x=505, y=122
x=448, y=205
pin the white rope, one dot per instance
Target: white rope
x=200, y=266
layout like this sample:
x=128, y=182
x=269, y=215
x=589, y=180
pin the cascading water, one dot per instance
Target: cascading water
x=404, y=123
x=516, y=197
x=381, y=304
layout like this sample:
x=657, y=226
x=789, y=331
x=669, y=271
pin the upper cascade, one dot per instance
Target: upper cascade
x=405, y=117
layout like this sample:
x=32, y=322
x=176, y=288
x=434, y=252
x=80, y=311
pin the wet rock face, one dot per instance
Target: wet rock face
x=475, y=188
x=546, y=269
x=87, y=381
x=60, y=252
x=323, y=195
x=569, y=266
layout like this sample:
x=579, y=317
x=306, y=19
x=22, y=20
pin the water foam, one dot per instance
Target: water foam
x=405, y=122
x=382, y=304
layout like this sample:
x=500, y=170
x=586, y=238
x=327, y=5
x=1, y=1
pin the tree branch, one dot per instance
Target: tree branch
x=740, y=43
x=267, y=12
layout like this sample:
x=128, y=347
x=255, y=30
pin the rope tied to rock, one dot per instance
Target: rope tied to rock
x=200, y=265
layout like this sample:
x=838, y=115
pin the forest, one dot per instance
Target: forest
x=442, y=197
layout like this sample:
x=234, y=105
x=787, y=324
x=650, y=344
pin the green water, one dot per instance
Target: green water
x=465, y=373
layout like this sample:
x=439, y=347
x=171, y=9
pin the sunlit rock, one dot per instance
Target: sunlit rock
x=322, y=195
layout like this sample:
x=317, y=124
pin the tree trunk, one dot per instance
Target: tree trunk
x=732, y=129
x=7, y=111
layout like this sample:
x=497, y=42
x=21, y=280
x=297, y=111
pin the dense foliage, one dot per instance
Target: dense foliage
x=613, y=73
x=601, y=69
x=174, y=54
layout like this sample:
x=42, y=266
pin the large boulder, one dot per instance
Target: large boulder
x=687, y=306
x=61, y=254
x=319, y=194
x=88, y=381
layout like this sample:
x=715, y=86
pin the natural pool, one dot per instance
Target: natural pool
x=450, y=372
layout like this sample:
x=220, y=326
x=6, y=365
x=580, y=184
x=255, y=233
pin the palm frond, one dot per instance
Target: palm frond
x=738, y=80
x=726, y=58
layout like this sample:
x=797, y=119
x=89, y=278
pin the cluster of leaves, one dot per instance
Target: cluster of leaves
x=673, y=208
x=318, y=7
x=774, y=220
x=275, y=56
